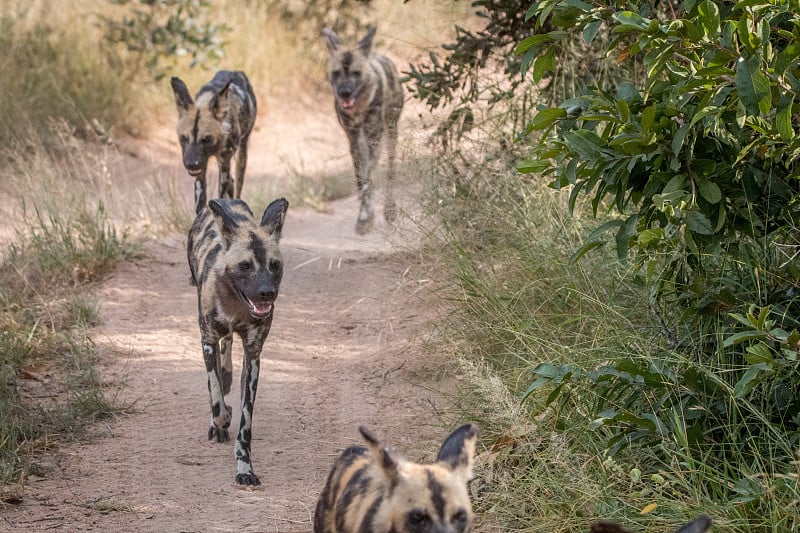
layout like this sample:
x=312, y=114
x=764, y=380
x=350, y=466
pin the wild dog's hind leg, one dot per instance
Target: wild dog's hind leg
x=220, y=411
x=253, y=341
x=241, y=166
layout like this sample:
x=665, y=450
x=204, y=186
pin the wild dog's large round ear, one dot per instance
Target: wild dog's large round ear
x=228, y=213
x=607, y=526
x=274, y=215
x=219, y=102
x=701, y=524
x=385, y=459
x=332, y=40
x=365, y=44
x=458, y=450
x=182, y=97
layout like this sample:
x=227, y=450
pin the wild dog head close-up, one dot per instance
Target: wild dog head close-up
x=701, y=524
x=216, y=122
x=374, y=489
x=368, y=99
x=236, y=263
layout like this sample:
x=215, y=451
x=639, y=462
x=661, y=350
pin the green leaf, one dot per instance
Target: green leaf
x=698, y=223
x=546, y=117
x=583, y=6
x=580, y=252
x=530, y=166
x=787, y=58
x=632, y=19
x=544, y=64
x=650, y=236
x=753, y=86
x=680, y=136
x=749, y=380
x=709, y=18
x=783, y=118
x=743, y=336
x=710, y=191
x=590, y=30
x=529, y=42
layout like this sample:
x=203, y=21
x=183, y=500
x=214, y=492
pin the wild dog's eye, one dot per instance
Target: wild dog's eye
x=183, y=138
x=206, y=139
x=336, y=73
x=244, y=266
x=459, y=516
x=356, y=74
x=418, y=519
x=274, y=265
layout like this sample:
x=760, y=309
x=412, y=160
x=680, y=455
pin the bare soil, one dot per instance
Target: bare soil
x=347, y=348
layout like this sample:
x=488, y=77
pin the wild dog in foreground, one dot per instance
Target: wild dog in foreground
x=371, y=489
x=237, y=267
x=701, y=524
x=368, y=101
x=217, y=122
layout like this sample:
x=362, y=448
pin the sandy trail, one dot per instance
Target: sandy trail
x=346, y=348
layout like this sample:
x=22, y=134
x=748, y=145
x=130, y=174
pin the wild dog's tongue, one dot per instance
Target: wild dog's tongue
x=262, y=309
x=347, y=103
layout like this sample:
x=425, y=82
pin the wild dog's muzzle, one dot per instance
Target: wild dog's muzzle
x=259, y=304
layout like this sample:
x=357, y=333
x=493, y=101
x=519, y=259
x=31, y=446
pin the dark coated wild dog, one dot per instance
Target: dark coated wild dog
x=217, y=122
x=237, y=267
x=701, y=524
x=374, y=490
x=368, y=101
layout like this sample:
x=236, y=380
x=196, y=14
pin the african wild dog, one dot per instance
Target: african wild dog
x=368, y=101
x=375, y=490
x=237, y=267
x=701, y=524
x=217, y=122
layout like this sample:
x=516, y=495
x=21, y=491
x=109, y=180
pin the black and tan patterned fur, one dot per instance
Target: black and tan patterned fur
x=701, y=524
x=373, y=490
x=368, y=101
x=217, y=122
x=237, y=267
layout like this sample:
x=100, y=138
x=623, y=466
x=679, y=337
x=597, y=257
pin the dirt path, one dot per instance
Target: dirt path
x=346, y=349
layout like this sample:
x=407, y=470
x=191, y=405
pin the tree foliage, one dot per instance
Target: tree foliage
x=154, y=33
x=700, y=160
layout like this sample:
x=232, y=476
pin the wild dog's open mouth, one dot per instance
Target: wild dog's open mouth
x=258, y=310
x=347, y=103
x=194, y=171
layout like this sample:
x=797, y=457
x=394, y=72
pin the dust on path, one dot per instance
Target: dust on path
x=346, y=349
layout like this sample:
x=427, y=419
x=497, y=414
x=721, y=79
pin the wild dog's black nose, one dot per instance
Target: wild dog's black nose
x=267, y=294
x=344, y=92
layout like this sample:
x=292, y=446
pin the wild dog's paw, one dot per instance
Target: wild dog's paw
x=390, y=211
x=248, y=479
x=218, y=434
x=364, y=223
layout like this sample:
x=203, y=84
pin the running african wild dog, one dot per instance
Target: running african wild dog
x=237, y=267
x=701, y=524
x=368, y=100
x=217, y=122
x=374, y=490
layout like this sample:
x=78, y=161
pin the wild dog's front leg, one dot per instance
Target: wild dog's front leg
x=390, y=207
x=252, y=342
x=241, y=166
x=362, y=162
x=199, y=193
x=220, y=411
x=225, y=180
